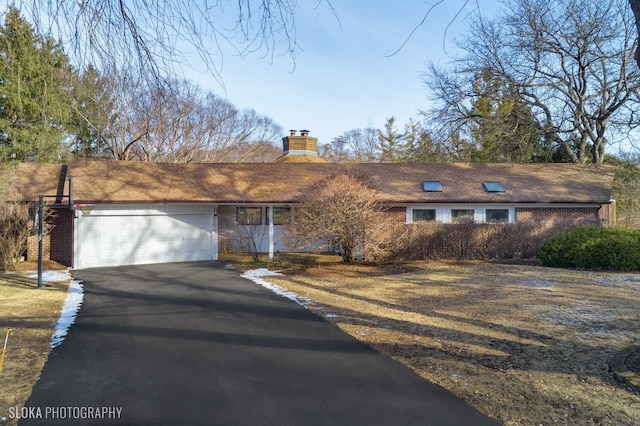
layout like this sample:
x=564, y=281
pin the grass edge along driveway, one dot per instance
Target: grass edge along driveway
x=523, y=344
x=192, y=343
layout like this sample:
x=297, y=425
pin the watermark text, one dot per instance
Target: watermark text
x=61, y=413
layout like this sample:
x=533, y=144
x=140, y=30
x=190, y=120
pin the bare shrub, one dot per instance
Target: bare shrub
x=626, y=191
x=15, y=225
x=243, y=229
x=383, y=237
x=480, y=241
x=14, y=218
x=342, y=211
x=16, y=222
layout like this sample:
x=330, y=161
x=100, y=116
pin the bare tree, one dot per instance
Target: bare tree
x=242, y=226
x=139, y=121
x=355, y=145
x=251, y=152
x=152, y=37
x=342, y=211
x=570, y=62
x=635, y=7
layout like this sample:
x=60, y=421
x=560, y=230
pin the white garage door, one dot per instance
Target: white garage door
x=129, y=235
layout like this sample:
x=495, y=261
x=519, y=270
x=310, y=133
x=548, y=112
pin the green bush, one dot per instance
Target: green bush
x=593, y=247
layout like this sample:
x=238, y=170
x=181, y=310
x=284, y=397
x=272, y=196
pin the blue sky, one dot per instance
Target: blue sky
x=341, y=79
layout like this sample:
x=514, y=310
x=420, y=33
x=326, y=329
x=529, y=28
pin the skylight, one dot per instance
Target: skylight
x=490, y=186
x=431, y=186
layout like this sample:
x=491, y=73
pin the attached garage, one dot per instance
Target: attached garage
x=111, y=235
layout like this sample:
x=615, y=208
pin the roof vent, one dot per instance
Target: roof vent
x=493, y=186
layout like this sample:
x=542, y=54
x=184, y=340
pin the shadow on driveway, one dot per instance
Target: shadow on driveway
x=194, y=344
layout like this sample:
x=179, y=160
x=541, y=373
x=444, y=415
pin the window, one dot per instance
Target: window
x=249, y=215
x=432, y=186
x=490, y=186
x=462, y=215
x=424, y=215
x=496, y=215
x=280, y=215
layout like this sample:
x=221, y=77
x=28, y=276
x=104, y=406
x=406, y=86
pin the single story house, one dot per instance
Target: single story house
x=117, y=212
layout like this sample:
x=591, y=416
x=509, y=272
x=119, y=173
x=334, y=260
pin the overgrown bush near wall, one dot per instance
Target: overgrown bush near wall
x=11, y=239
x=626, y=191
x=593, y=247
x=15, y=224
x=16, y=221
x=480, y=241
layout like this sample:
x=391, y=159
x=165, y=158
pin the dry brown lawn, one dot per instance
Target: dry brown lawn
x=526, y=345
x=31, y=314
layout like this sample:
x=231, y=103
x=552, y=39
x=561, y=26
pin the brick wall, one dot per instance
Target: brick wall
x=61, y=235
x=558, y=216
x=32, y=248
x=58, y=243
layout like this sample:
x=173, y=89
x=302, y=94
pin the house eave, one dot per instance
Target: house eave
x=497, y=202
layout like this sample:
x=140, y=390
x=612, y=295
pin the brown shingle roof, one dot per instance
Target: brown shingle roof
x=300, y=159
x=138, y=182
x=32, y=180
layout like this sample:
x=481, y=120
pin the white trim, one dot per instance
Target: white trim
x=443, y=212
x=271, y=232
x=156, y=209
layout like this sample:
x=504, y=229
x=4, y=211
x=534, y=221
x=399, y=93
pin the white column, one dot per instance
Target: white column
x=271, y=243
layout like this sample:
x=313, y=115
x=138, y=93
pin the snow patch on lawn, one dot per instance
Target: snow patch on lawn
x=632, y=278
x=582, y=318
x=72, y=305
x=538, y=282
x=256, y=275
x=53, y=276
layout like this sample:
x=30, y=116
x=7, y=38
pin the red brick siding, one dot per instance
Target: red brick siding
x=32, y=247
x=62, y=237
x=558, y=216
x=58, y=243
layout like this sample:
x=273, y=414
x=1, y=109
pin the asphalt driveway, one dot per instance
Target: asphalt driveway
x=194, y=344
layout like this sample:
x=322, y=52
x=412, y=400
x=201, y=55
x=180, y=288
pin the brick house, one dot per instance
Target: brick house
x=136, y=212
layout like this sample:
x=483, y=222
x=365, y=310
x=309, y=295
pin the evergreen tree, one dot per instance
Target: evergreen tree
x=92, y=98
x=419, y=146
x=35, y=107
x=504, y=129
x=391, y=142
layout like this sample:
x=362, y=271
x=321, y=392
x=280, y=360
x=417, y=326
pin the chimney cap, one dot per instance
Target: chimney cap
x=292, y=131
x=304, y=131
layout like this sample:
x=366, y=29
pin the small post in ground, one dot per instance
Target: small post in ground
x=40, y=237
x=4, y=349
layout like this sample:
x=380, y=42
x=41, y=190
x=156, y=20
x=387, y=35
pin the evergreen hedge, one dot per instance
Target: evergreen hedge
x=593, y=247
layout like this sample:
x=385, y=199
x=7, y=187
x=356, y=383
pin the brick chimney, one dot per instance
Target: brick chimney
x=300, y=148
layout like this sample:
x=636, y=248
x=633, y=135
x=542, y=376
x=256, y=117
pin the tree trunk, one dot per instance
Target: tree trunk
x=348, y=254
x=635, y=6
